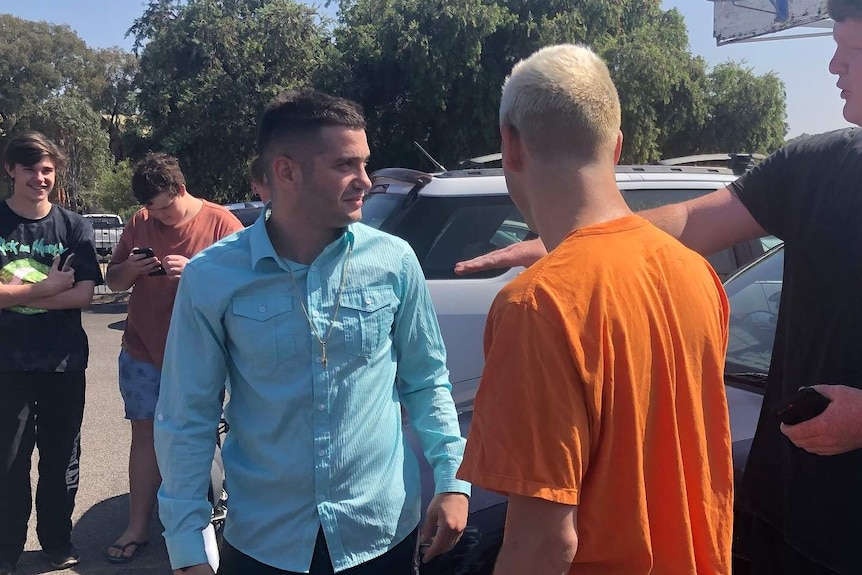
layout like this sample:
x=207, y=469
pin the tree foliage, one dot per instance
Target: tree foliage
x=40, y=61
x=746, y=111
x=37, y=60
x=113, y=193
x=426, y=71
x=431, y=71
x=207, y=69
x=113, y=92
x=420, y=69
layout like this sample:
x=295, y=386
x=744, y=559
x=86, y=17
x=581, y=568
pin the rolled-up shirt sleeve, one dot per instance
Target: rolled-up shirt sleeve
x=423, y=380
x=187, y=416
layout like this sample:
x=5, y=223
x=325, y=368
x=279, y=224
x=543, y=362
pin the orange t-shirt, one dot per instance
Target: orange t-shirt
x=152, y=299
x=603, y=388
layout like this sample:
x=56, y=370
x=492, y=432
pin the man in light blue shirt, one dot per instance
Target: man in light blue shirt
x=324, y=329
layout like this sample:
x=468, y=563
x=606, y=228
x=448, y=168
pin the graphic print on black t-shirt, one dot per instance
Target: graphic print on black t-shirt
x=34, y=339
x=28, y=269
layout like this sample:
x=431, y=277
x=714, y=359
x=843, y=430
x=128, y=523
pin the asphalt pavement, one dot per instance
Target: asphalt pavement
x=101, y=511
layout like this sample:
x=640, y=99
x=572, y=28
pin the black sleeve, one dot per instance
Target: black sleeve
x=780, y=192
x=83, y=245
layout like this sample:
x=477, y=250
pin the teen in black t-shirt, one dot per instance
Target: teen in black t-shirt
x=48, y=269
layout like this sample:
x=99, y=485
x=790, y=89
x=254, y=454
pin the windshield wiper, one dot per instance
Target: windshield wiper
x=748, y=376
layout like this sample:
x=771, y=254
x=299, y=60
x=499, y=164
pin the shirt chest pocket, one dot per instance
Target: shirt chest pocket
x=367, y=315
x=260, y=329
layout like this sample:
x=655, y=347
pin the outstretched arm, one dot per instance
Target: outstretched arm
x=521, y=254
x=707, y=225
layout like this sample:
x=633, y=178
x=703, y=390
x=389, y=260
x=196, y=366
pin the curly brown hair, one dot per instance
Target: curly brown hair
x=156, y=174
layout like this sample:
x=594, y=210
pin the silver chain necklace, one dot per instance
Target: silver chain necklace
x=314, y=332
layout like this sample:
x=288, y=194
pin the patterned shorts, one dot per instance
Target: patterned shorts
x=139, y=386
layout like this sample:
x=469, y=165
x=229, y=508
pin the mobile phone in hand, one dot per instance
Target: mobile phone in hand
x=159, y=271
x=67, y=265
x=805, y=405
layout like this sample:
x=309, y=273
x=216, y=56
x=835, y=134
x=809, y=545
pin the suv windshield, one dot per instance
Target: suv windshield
x=754, y=296
x=376, y=207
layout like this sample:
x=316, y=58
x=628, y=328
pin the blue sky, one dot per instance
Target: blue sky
x=813, y=104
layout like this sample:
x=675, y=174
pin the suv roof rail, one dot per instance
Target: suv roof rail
x=414, y=177
x=659, y=169
x=738, y=162
x=407, y=175
x=480, y=161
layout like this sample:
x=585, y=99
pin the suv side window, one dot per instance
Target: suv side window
x=444, y=231
x=639, y=200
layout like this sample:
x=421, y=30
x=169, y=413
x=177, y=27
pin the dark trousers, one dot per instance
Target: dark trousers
x=769, y=554
x=44, y=410
x=400, y=560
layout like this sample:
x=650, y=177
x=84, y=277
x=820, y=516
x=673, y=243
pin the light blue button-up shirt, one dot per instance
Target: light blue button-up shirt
x=311, y=445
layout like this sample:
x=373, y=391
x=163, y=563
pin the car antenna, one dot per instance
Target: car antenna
x=437, y=164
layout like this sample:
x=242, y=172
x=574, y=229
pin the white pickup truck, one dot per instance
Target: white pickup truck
x=107, y=228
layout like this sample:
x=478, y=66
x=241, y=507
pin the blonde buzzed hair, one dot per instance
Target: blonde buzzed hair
x=562, y=101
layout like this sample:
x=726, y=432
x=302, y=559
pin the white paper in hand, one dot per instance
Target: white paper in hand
x=211, y=547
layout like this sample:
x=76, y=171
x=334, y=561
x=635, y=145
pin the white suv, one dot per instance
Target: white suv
x=455, y=215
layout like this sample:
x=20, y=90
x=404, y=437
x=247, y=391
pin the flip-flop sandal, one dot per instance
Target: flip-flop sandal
x=121, y=558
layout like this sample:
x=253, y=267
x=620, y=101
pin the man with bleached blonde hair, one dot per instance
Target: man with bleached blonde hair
x=601, y=412
x=563, y=102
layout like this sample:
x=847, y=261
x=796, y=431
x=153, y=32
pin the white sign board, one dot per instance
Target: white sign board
x=737, y=20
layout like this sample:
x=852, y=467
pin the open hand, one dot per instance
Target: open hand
x=522, y=254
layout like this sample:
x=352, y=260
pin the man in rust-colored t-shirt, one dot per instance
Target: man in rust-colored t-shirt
x=157, y=243
x=601, y=412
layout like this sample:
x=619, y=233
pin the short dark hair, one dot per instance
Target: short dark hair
x=28, y=148
x=299, y=114
x=256, y=171
x=156, y=174
x=840, y=10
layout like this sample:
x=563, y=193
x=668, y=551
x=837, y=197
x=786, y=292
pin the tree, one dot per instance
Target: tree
x=37, y=60
x=208, y=68
x=431, y=70
x=660, y=86
x=113, y=193
x=113, y=92
x=420, y=71
x=746, y=112
x=73, y=125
